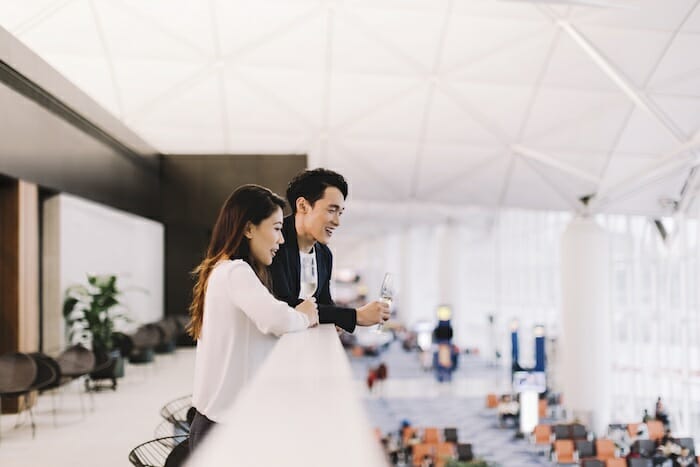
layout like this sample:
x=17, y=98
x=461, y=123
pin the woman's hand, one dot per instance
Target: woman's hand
x=309, y=308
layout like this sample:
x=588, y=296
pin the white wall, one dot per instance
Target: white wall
x=82, y=237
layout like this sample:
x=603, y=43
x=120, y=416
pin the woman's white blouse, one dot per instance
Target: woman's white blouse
x=240, y=324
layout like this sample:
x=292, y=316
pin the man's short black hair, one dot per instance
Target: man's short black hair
x=311, y=184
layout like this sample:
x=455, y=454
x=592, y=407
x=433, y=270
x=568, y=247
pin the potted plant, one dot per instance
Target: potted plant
x=91, y=312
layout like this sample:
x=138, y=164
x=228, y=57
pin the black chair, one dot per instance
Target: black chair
x=562, y=431
x=76, y=362
x=578, y=431
x=48, y=376
x=18, y=372
x=687, y=443
x=639, y=462
x=145, y=340
x=585, y=448
x=183, y=339
x=157, y=452
x=592, y=463
x=176, y=412
x=450, y=435
x=464, y=452
x=168, y=334
x=644, y=447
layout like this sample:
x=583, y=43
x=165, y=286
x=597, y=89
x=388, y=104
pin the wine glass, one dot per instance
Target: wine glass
x=386, y=295
x=309, y=278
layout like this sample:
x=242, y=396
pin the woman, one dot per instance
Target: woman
x=234, y=317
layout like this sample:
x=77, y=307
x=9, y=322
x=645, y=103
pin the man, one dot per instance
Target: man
x=317, y=198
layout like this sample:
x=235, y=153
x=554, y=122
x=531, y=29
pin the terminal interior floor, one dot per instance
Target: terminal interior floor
x=124, y=418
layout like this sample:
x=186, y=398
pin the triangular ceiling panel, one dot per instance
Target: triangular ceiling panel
x=141, y=82
x=204, y=140
x=504, y=106
x=588, y=132
x=18, y=16
x=513, y=9
x=186, y=22
x=400, y=119
x=566, y=184
x=692, y=24
x=571, y=67
x=527, y=189
x=657, y=194
x=482, y=185
x=640, y=14
x=645, y=134
x=381, y=156
x=291, y=92
x=683, y=111
x=621, y=168
x=520, y=64
x=634, y=53
x=245, y=141
x=197, y=107
x=243, y=26
x=366, y=182
x=449, y=121
x=251, y=106
x=415, y=34
x=470, y=39
x=132, y=36
x=460, y=158
x=357, y=49
x=678, y=71
x=354, y=96
x=51, y=38
x=557, y=110
x=300, y=47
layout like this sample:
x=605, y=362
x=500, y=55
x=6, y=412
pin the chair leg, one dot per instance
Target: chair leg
x=31, y=419
x=53, y=406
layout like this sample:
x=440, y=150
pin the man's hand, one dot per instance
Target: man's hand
x=373, y=313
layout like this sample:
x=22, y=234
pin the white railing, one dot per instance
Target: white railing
x=301, y=409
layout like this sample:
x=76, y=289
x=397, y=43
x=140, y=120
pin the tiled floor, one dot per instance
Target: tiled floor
x=413, y=395
x=125, y=418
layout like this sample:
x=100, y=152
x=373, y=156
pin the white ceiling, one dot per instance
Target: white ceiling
x=471, y=102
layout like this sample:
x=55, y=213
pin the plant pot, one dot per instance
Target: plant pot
x=111, y=369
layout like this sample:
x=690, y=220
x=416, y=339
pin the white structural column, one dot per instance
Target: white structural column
x=585, y=342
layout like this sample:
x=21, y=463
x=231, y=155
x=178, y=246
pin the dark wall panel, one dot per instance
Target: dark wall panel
x=39, y=146
x=9, y=265
x=193, y=190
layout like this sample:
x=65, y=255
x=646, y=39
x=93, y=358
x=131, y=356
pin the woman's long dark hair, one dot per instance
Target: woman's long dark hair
x=248, y=203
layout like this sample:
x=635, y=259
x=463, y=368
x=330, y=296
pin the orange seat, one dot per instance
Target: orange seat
x=564, y=450
x=605, y=449
x=542, y=408
x=378, y=434
x=357, y=351
x=656, y=430
x=420, y=451
x=443, y=453
x=632, y=429
x=542, y=434
x=491, y=401
x=431, y=435
x=616, y=462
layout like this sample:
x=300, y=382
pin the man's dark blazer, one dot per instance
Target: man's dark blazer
x=286, y=270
